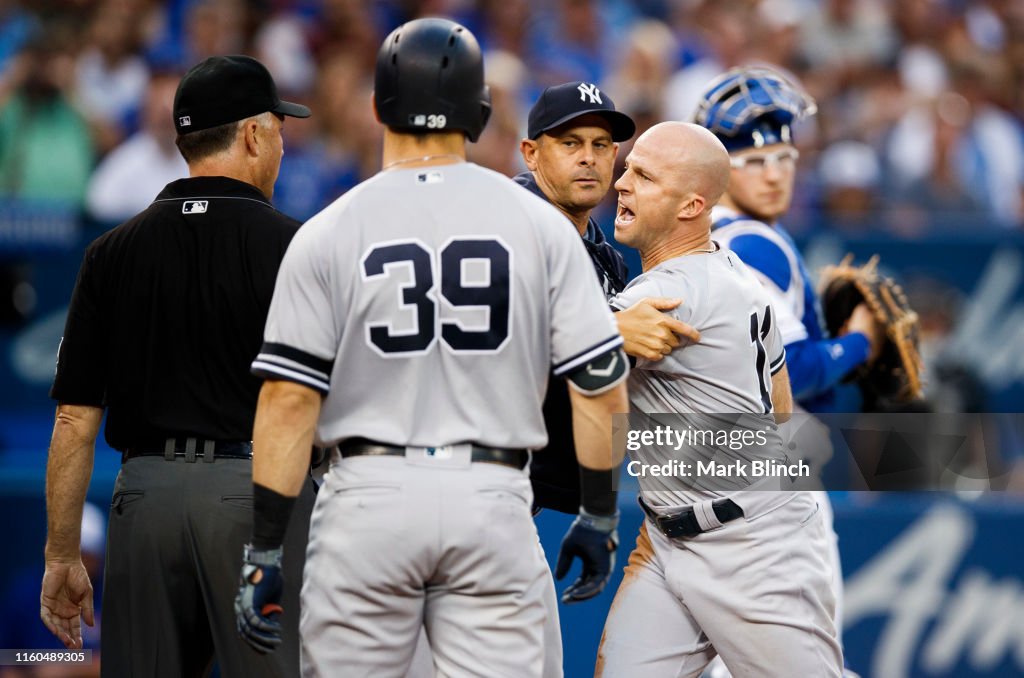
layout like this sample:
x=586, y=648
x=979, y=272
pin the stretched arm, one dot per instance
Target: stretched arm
x=650, y=333
x=66, y=596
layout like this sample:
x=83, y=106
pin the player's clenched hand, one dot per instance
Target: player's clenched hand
x=66, y=599
x=258, y=603
x=649, y=333
x=592, y=539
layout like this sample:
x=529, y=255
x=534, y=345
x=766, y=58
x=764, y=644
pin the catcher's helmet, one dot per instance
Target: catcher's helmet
x=430, y=78
x=752, y=106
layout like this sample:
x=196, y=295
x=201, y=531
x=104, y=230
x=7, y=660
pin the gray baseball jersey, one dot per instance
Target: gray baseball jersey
x=729, y=371
x=429, y=304
x=683, y=601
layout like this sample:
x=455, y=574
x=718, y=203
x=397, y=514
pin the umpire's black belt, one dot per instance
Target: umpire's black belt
x=684, y=524
x=192, y=449
x=358, y=447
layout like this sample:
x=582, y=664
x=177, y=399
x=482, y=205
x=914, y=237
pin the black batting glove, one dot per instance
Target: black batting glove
x=592, y=539
x=258, y=603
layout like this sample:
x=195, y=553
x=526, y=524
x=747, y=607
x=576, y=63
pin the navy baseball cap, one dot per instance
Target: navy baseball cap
x=560, y=104
x=224, y=89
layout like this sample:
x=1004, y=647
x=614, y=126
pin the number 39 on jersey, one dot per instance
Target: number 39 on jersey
x=472, y=275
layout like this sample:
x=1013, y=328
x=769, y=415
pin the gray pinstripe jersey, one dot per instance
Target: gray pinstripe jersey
x=428, y=305
x=728, y=372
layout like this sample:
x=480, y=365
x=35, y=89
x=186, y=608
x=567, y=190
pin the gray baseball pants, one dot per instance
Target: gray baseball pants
x=399, y=544
x=756, y=590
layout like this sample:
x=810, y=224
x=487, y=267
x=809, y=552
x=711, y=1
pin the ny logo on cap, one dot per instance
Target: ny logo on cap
x=589, y=90
x=185, y=121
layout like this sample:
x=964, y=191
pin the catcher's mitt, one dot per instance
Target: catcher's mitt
x=896, y=373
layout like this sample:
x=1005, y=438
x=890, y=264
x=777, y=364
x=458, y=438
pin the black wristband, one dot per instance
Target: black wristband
x=270, y=514
x=599, y=491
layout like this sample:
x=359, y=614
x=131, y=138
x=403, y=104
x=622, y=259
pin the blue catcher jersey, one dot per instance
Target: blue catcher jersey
x=773, y=255
x=775, y=260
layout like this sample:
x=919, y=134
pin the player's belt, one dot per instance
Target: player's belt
x=684, y=523
x=191, y=449
x=359, y=447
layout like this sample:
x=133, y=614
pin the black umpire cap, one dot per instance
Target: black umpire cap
x=560, y=104
x=223, y=89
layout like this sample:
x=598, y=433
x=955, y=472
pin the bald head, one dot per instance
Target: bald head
x=694, y=155
x=675, y=173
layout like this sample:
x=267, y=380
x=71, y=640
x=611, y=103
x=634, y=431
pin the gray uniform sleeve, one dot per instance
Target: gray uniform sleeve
x=582, y=325
x=658, y=283
x=301, y=337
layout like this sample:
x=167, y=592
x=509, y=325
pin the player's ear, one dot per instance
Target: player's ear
x=528, y=149
x=373, y=102
x=692, y=207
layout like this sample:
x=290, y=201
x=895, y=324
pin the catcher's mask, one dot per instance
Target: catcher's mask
x=753, y=106
x=430, y=78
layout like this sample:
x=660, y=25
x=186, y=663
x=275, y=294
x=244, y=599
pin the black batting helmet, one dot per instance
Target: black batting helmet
x=430, y=78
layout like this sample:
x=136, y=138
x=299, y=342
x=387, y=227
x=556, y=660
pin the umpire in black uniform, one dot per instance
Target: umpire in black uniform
x=166, y=316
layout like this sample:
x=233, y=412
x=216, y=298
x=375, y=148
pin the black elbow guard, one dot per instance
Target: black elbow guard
x=600, y=374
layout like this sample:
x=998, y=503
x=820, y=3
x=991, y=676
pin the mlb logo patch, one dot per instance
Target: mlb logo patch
x=439, y=452
x=185, y=121
x=429, y=177
x=194, y=207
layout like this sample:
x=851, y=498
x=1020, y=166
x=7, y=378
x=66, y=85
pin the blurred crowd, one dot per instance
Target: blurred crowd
x=920, y=121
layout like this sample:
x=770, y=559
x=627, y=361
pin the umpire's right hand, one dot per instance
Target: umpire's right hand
x=593, y=539
x=258, y=603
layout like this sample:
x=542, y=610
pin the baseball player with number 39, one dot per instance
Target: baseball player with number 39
x=404, y=314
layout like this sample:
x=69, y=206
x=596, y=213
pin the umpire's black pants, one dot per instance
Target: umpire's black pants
x=174, y=551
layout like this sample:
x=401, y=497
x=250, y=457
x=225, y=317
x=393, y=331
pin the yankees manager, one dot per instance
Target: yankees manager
x=166, y=315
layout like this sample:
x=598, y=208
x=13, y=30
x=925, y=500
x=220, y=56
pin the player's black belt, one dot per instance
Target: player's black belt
x=358, y=447
x=192, y=449
x=684, y=524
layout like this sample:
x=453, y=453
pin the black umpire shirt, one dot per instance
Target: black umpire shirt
x=168, y=313
x=555, y=473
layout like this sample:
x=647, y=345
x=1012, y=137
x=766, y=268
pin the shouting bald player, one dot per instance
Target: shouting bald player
x=740, y=574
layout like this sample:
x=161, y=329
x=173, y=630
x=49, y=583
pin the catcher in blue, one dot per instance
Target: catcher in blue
x=740, y=573
x=413, y=325
x=752, y=111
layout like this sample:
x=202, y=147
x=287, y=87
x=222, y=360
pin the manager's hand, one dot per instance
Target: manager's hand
x=648, y=332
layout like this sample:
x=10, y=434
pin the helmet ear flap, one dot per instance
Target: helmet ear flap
x=485, y=112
